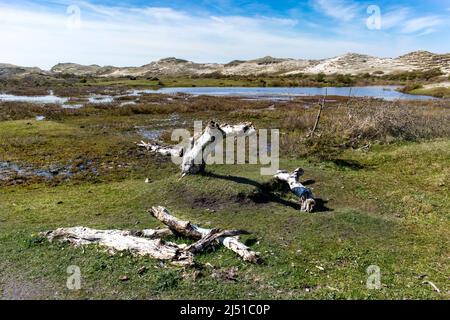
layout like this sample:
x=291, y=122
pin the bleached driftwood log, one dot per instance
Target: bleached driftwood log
x=165, y=151
x=206, y=237
x=305, y=195
x=149, y=242
x=153, y=234
x=195, y=153
x=119, y=240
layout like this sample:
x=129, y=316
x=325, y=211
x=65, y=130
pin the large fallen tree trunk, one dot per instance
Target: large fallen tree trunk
x=206, y=236
x=305, y=195
x=194, y=155
x=149, y=242
x=119, y=240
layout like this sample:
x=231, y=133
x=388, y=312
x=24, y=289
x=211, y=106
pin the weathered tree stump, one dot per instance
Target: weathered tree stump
x=304, y=194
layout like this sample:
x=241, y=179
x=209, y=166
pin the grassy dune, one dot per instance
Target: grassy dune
x=439, y=92
x=384, y=205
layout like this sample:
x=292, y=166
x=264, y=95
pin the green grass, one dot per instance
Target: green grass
x=300, y=80
x=434, y=92
x=175, y=82
x=388, y=207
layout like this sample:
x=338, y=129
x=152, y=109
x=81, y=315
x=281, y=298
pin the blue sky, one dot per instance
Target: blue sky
x=135, y=32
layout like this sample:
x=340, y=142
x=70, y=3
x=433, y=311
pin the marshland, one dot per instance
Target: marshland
x=379, y=170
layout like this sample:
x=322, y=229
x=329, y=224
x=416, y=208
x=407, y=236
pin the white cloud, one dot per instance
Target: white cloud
x=394, y=18
x=422, y=23
x=427, y=32
x=130, y=36
x=99, y=9
x=338, y=9
x=161, y=13
x=404, y=20
x=281, y=21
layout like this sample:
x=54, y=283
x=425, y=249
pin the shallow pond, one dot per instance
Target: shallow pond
x=279, y=93
x=48, y=99
x=287, y=93
x=101, y=99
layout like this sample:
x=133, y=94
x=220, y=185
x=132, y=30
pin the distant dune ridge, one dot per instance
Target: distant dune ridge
x=350, y=63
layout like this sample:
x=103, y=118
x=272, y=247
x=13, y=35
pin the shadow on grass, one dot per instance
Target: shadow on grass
x=250, y=242
x=348, y=164
x=266, y=191
x=308, y=182
x=321, y=205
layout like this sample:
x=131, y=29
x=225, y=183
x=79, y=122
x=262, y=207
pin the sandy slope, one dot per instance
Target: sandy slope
x=350, y=63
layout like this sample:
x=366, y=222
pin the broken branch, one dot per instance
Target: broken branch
x=188, y=229
x=213, y=236
x=181, y=227
x=432, y=285
x=319, y=113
